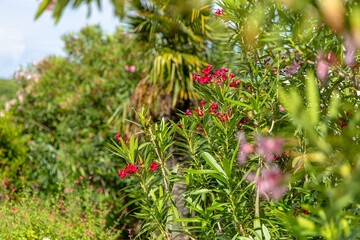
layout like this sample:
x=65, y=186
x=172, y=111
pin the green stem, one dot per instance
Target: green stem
x=257, y=222
x=166, y=184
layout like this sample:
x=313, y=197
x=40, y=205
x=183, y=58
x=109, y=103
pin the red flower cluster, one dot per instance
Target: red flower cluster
x=223, y=117
x=128, y=171
x=219, y=12
x=220, y=76
x=200, y=112
x=214, y=106
x=118, y=138
x=131, y=169
x=235, y=84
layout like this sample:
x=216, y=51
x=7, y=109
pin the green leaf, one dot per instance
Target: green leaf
x=313, y=101
x=212, y=162
x=305, y=223
x=266, y=232
x=43, y=5
x=334, y=105
x=241, y=104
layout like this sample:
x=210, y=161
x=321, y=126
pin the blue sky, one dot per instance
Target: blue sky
x=24, y=40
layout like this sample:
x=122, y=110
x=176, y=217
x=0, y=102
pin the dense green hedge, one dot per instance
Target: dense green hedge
x=13, y=155
x=68, y=102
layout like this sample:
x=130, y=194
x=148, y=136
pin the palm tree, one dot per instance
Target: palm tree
x=176, y=37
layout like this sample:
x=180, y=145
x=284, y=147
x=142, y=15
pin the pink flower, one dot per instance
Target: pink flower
x=51, y=5
x=269, y=147
x=281, y=108
x=132, y=69
x=245, y=148
x=292, y=69
x=188, y=112
x=322, y=71
x=271, y=183
x=154, y=166
x=126, y=67
x=351, y=49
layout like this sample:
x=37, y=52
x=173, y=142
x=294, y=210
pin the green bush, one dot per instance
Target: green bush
x=70, y=101
x=272, y=151
x=14, y=160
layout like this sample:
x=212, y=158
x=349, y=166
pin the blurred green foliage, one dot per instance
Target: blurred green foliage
x=15, y=169
x=68, y=102
x=297, y=67
x=8, y=90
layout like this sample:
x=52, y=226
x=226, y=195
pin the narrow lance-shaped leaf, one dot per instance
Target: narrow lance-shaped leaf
x=312, y=95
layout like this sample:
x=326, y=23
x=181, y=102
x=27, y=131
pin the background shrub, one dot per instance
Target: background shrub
x=15, y=167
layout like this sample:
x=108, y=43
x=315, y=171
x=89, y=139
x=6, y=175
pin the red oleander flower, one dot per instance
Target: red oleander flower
x=205, y=79
x=214, y=106
x=199, y=112
x=122, y=174
x=202, y=103
x=118, y=137
x=235, y=84
x=207, y=70
x=219, y=12
x=188, y=112
x=154, y=166
x=180, y=125
x=131, y=169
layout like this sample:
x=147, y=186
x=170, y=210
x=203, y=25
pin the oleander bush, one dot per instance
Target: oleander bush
x=271, y=150
x=264, y=144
